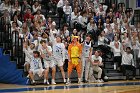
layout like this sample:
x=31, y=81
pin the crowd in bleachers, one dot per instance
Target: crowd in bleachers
x=93, y=23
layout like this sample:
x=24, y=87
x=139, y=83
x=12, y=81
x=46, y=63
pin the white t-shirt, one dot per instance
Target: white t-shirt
x=116, y=51
x=94, y=58
x=101, y=40
x=74, y=17
x=127, y=59
x=67, y=10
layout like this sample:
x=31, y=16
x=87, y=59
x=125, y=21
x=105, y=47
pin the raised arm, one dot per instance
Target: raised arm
x=52, y=37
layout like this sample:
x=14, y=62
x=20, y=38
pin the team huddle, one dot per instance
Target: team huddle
x=79, y=56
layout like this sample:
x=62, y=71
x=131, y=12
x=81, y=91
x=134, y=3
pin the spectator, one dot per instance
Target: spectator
x=36, y=6
x=67, y=11
x=96, y=61
x=28, y=15
x=116, y=47
x=128, y=63
x=91, y=26
x=25, y=6
x=83, y=20
x=15, y=19
x=74, y=56
x=74, y=17
x=16, y=7
x=6, y=5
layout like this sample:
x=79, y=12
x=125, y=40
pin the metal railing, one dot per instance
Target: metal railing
x=11, y=43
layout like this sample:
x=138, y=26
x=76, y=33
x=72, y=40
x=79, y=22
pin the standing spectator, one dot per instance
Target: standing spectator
x=6, y=5
x=91, y=25
x=83, y=20
x=16, y=7
x=60, y=5
x=15, y=19
x=25, y=6
x=128, y=62
x=86, y=56
x=67, y=9
x=116, y=47
x=74, y=56
x=28, y=15
x=101, y=38
x=74, y=17
x=36, y=6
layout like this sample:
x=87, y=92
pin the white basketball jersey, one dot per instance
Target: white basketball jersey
x=86, y=49
x=58, y=50
x=47, y=55
x=35, y=63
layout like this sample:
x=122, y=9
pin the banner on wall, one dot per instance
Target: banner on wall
x=138, y=3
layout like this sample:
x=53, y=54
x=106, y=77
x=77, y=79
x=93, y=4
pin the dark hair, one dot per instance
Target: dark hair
x=36, y=52
x=60, y=37
x=15, y=23
x=88, y=35
x=42, y=41
x=128, y=48
x=44, y=34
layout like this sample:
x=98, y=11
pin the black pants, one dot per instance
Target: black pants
x=128, y=67
x=103, y=74
x=118, y=59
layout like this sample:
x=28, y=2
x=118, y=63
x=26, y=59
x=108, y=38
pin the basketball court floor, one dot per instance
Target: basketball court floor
x=108, y=87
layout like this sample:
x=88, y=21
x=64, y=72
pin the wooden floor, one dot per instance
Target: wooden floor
x=109, y=87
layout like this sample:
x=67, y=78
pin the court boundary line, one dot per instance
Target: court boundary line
x=55, y=87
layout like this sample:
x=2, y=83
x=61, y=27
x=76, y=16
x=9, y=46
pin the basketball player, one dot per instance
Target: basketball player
x=46, y=54
x=58, y=53
x=86, y=56
x=30, y=50
x=35, y=65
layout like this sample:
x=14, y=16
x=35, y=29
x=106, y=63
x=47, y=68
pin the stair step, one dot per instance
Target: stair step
x=122, y=77
x=9, y=72
x=111, y=71
x=116, y=78
x=114, y=74
x=109, y=66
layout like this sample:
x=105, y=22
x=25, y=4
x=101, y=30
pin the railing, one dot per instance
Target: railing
x=11, y=43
